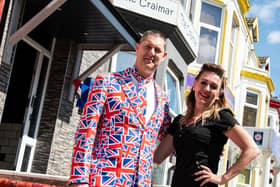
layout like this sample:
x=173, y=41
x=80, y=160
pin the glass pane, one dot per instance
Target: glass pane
x=231, y=52
x=125, y=60
x=207, y=45
x=232, y=49
x=244, y=177
x=183, y=3
x=249, y=117
x=25, y=159
x=268, y=121
x=210, y=14
x=170, y=174
x=191, y=10
x=173, y=94
x=158, y=173
x=252, y=98
x=37, y=99
x=234, y=28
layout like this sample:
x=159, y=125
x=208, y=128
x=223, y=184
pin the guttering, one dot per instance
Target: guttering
x=244, y=6
x=260, y=77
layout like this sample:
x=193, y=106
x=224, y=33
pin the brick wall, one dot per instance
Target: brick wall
x=66, y=123
x=9, y=133
x=68, y=117
x=90, y=57
x=5, y=70
x=51, y=108
x=60, y=116
x=9, y=137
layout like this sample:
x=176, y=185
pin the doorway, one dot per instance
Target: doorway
x=25, y=98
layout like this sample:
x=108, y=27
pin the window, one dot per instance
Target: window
x=269, y=121
x=210, y=28
x=123, y=60
x=184, y=3
x=192, y=8
x=163, y=173
x=250, y=109
x=244, y=178
x=188, y=6
x=232, y=47
x=173, y=89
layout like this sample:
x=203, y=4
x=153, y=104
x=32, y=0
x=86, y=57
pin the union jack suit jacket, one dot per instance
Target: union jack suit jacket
x=113, y=144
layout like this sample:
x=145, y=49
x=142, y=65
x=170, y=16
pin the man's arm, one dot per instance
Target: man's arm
x=85, y=134
x=164, y=149
x=166, y=122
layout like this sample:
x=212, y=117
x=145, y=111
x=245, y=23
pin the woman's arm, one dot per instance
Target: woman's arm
x=164, y=149
x=249, y=151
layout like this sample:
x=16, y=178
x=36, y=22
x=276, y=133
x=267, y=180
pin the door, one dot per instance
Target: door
x=34, y=107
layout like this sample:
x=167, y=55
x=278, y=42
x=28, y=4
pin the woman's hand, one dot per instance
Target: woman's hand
x=207, y=176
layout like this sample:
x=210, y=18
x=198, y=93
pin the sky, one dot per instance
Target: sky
x=268, y=14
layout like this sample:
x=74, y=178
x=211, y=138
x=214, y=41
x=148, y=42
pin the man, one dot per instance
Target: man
x=124, y=115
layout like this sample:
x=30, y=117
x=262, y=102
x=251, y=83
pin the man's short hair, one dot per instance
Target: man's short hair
x=153, y=32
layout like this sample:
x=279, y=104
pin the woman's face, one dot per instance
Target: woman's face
x=207, y=88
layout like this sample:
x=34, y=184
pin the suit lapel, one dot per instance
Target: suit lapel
x=130, y=91
x=158, y=96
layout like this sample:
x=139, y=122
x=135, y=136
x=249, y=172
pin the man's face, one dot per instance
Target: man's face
x=150, y=53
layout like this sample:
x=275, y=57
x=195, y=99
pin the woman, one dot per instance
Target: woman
x=199, y=136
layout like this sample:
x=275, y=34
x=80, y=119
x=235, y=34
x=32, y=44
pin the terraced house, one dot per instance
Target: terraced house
x=50, y=47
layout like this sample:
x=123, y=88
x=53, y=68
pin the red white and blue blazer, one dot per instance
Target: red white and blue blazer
x=113, y=144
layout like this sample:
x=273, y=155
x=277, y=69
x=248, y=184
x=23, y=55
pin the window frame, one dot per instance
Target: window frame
x=269, y=121
x=250, y=105
x=177, y=85
x=218, y=30
x=114, y=60
x=168, y=164
x=188, y=7
x=240, y=184
x=232, y=48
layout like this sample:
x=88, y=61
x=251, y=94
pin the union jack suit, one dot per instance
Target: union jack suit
x=113, y=144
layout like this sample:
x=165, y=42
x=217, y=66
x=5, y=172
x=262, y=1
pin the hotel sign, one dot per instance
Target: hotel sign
x=162, y=10
x=165, y=11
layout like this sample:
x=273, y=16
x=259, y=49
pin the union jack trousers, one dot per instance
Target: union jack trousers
x=114, y=145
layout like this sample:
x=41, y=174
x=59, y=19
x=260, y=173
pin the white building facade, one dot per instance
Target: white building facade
x=227, y=37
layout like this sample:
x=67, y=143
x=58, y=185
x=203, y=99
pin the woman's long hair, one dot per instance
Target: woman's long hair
x=218, y=104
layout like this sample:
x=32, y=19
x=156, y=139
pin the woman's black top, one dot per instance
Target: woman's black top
x=198, y=144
